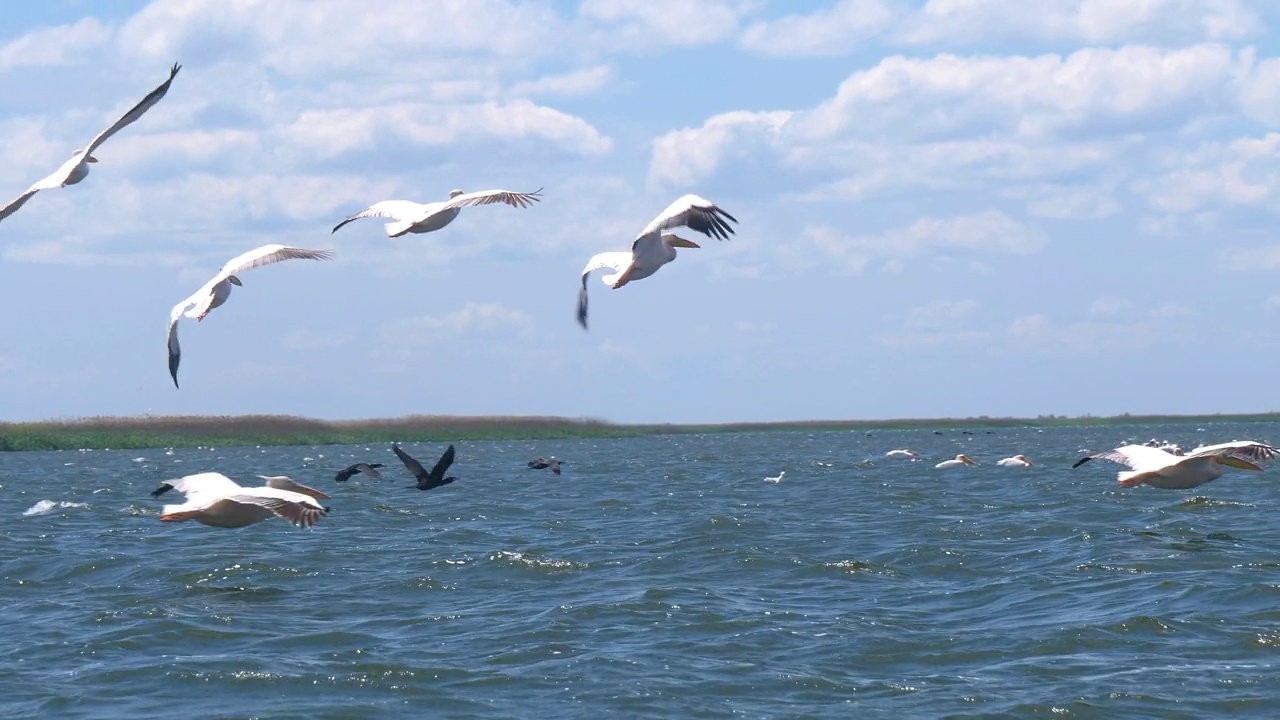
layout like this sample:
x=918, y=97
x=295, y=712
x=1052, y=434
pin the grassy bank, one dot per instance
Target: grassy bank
x=190, y=431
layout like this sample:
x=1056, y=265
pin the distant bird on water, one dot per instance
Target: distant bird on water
x=412, y=217
x=653, y=248
x=541, y=463
x=1163, y=469
x=427, y=480
x=902, y=454
x=1015, y=461
x=366, y=468
x=217, y=290
x=218, y=501
x=77, y=168
x=960, y=461
x=776, y=479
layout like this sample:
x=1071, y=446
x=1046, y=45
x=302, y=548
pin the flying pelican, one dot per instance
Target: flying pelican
x=653, y=248
x=776, y=479
x=960, y=461
x=77, y=168
x=1163, y=469
x=1015, y=461
x=541, y=463
x=216, y=291
x=427, y=480
x=412, y=217
x=366, y=468
x=902, y=454
x=218, y=501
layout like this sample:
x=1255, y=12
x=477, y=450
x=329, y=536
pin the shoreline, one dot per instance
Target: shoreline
x=156, y=431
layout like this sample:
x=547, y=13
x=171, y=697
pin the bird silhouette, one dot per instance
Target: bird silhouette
x=427, y=480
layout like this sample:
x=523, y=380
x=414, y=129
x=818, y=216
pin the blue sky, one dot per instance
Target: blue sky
x=947, y=208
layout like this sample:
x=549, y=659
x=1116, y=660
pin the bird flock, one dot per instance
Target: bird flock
x=651, y=249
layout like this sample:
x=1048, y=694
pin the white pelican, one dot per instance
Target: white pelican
x=1163, y=469
x=216, y=500
x=77, y=168
x=778, y=479
x=960, y=461
x=216, y=291
x=412, y=217
x=902, y=454
x=1016, y=461
x=653, y=248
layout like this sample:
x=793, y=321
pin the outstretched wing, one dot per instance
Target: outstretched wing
x=1246, y=449
x=618, y=261
x=301, y=511
x=390, y=209
x=489, y=197
x=695, y=213
x=12, y=207
x=266, y=255
x=437, y=472
x=201, y=483
x=414, y=466
x=1138, y=457
x=135, y=112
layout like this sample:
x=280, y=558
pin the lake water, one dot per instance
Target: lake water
x=657, y=577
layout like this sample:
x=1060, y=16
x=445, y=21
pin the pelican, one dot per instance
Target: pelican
x=541, y=463
x=776, y=479
x=427, y=480
x=216, y=291
x=960, y=461
x=1016, y=461
x=653, y=248
x=218, y=501
x=1163, y=469
x=412, y=217
x=902, y=454
x=369, y=469
x=77, y=168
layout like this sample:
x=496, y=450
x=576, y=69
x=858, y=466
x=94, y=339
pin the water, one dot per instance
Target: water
x=657, y=577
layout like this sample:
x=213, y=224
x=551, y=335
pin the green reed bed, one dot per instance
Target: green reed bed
x=191, y=431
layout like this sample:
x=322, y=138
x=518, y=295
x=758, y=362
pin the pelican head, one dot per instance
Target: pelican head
x=965, y=459
x=235, y=281
x=90, y=158
x=1239, y=463
x=682, y=243
x=454, y=193
x=1023, y=458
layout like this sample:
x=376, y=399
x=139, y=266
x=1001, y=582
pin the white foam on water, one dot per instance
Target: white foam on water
x=45, y=507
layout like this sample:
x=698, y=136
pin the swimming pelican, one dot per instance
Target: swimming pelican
x=77, y=168
x=218, y=501
x=960, y=461
x=369, y=469
x=1016, y=461
x=902, y=454
x=777, y=479
x=216, y=291
x=1163, y=469
x=427, y=480
x=541, y=463
x=653, y=248
x=412, y=217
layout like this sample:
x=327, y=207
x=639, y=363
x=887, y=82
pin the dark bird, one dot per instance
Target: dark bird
x=427, y=480
x=541, y=463
x=366, y=468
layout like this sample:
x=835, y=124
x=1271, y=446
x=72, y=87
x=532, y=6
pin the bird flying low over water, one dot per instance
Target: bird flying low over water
x=412, y=217
x=541, y=463
x=427, y=480
x=216, y=291
x=902, y=454
x=776, y=478
x=1163, y=469
x=366, y=468
x=960, y=461
x=653, y=248
x=77, y=168
x=1015, y=461
x=218, y=501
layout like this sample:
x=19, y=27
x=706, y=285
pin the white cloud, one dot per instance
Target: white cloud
x=1087, y=21
x=306, y=340
x=990, y=232
x=1261, y=257
x=681, y=157
x=60, y=45
x=644, y=23
x=1039, y=334
x=831, y=31
x=1240, y=172
x=402, y=340
x=940, y=313
x=584, y=81
x=1067, y=202
x=1110, y=306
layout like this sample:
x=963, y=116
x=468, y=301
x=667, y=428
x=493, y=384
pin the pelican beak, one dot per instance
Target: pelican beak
x=235, y=281
x=91, y=159
x=1240, y=463
x=682, y=243
x=967, y=461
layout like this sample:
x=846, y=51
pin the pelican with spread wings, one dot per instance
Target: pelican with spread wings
x=218, y=501
x=217, y=290
x=654, y=248
x=77, y=168
x=412, y=217
x=1163, y=469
